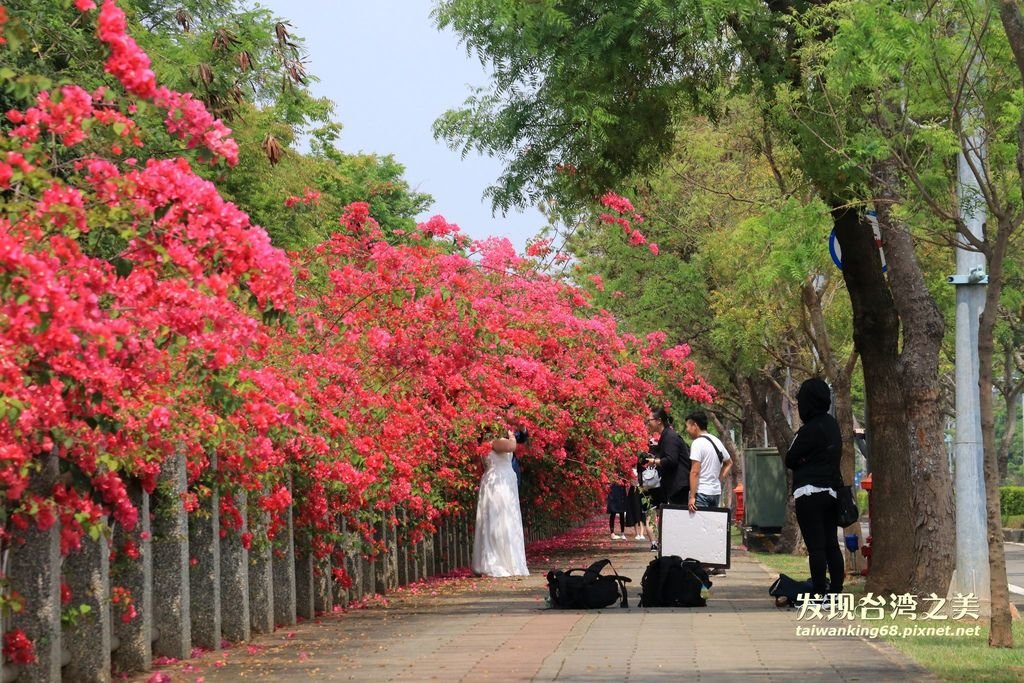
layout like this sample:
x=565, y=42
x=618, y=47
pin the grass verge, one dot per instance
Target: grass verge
x=962, y=658
x=792, y=565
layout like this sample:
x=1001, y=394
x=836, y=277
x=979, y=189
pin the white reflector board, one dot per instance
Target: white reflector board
x=702, y=535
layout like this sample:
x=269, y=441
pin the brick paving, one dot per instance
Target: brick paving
x=482, y=629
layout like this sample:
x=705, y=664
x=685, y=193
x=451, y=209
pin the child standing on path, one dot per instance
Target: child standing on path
x=617, y=507
x=636, y=510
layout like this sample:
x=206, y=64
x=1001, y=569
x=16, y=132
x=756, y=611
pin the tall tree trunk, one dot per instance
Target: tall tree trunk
x=843, y=400
x=876, y=328
x=1000, y=633
x=932, y=510
x=736, y=453
x=1011, y=387
x=752, y=427
x=844, y=416
x=1011, y=397
x=1000, y=629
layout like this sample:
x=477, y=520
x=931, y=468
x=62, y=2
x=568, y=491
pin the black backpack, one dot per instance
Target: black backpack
x=785, y=590
x=587, y=588
x=674, y=582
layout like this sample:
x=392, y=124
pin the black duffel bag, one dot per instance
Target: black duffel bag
x=587, y=588
x=786, y=590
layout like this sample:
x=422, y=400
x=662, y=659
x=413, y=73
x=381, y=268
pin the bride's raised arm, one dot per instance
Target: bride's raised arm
x=504, y=445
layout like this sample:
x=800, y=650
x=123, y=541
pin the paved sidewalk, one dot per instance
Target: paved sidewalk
x=482, y=629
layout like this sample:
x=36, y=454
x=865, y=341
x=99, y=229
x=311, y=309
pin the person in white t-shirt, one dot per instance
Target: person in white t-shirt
x=709, y=463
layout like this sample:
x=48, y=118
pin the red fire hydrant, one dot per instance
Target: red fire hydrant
x=865, y=549
x=739, y=504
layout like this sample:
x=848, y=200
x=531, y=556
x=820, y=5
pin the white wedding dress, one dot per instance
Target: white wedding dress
x=498, y=547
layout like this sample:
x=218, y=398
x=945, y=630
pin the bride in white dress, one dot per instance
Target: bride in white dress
x=498, y=547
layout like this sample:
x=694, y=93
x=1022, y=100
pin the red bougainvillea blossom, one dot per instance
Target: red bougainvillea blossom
x=92, y=350
x=370, y=404
x=538, y=248
x=625, y=217
x=186, y=117
x=310, y=197
x=124, y=603
x=413, y=351
x=18, y=648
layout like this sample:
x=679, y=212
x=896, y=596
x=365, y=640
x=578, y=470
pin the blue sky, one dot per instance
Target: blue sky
x=390, y=73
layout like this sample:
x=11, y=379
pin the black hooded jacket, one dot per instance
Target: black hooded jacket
x=675, y=463
x=815, y=452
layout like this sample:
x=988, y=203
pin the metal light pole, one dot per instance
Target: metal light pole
x=972, y=570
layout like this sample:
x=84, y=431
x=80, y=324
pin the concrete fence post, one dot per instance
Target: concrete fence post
x=451, y=543
x=428, y=555
x=304, y=592
x=369, y=573
x=403, y=547
x=465, y=547
x=343, y=555
x=204, y=570
x=283, y=561
x=171, y=595
x=369, y=568
x=261, y=575
x=234, y=579
x=87, y=637
x=457, y=541
x=386, y=577
x=34, y=574
x=135, y=578
x=440, y=548
x=323, y=585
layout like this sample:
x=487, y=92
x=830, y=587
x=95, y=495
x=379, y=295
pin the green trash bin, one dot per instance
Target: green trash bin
x=764, y=489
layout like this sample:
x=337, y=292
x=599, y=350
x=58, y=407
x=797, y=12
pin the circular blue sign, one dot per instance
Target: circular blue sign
x=836, y=252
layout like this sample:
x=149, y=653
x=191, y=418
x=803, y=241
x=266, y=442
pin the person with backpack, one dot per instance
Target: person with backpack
x=814, y=458
x=709, y=463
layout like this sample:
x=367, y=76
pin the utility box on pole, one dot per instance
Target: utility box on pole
x=764, y=489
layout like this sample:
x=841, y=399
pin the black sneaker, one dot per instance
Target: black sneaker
x=654, y=547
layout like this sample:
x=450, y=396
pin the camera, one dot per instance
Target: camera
x=521, y=435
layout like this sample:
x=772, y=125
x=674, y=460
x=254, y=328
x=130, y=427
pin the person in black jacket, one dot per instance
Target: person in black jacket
x=814, y=458
x=672, y=458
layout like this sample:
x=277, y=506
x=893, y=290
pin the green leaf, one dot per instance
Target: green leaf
x=123, y=267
